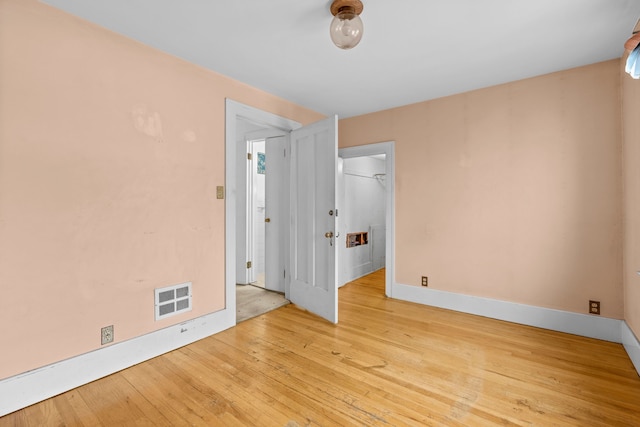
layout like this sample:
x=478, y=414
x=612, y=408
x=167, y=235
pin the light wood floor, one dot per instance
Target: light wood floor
x=387, y=362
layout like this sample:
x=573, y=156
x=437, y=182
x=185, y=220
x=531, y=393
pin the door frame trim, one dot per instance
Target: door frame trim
x=235, y=110
x=388, y=149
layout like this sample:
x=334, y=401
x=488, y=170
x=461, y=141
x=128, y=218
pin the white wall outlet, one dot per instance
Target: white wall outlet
x=106, y=335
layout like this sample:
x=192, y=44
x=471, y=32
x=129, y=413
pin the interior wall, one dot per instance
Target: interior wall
x=631, y=156
x=110, y=154
x=511, y=192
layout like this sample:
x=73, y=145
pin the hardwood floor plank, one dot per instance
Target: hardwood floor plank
x=42, y=414
x=294, y=385
x=387, y=362
x=115, y=402
x=366, y=366
x=167, y=395
x=189, y=379
x=264, y=385
x=210, y=372
x=380, y=374
x=75, y=411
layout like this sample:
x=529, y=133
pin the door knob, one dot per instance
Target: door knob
x=267, y=220
x=329, y=235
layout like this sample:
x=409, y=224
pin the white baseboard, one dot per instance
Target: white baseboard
x=359, y=271
x=631, y=345
x=39, y=384
x=585, y=325
x=563, y=321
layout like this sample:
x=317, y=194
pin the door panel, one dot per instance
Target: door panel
x=314, y=150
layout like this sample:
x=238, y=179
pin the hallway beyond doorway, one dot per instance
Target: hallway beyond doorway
x=252, y=301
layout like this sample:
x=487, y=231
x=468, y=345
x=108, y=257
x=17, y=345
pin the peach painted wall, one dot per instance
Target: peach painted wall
x=511, y=192
x=631, y=138
x=110, y=154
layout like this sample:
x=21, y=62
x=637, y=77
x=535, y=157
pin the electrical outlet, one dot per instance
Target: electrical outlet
x=425, y=281
x=106, y=335
x=594, y=307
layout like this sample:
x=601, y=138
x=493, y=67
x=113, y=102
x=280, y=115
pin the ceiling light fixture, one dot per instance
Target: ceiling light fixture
x=632, y=66
x=346, y=27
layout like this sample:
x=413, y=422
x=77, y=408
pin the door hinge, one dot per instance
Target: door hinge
x=249, y=156
x=284, y=273
x=248, y=264
x=284, y=152
x=336, y=211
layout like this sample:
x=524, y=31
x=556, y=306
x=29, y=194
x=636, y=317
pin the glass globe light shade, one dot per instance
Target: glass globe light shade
x=346, y=28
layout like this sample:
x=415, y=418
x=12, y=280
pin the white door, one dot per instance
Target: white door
x=276, y=214
x=314, y=273
x=256, y=179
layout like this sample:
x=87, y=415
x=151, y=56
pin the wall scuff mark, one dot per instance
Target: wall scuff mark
x=189, y=136
x=147, y=122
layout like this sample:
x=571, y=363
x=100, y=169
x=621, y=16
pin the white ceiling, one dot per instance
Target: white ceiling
x=411, y=51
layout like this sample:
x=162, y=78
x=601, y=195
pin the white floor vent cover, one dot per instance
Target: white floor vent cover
x=172, y=300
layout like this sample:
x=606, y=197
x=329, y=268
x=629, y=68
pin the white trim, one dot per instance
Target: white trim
x=586, y=325
x=39, y=384
x=388, y=149
x=631, y=345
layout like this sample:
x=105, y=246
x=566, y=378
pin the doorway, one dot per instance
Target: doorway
x=244, y=124
x=264, y=289
x=323, y=135
x=384, y=179
x=362, y=220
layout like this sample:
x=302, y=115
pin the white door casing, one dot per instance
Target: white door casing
x=313, y=265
